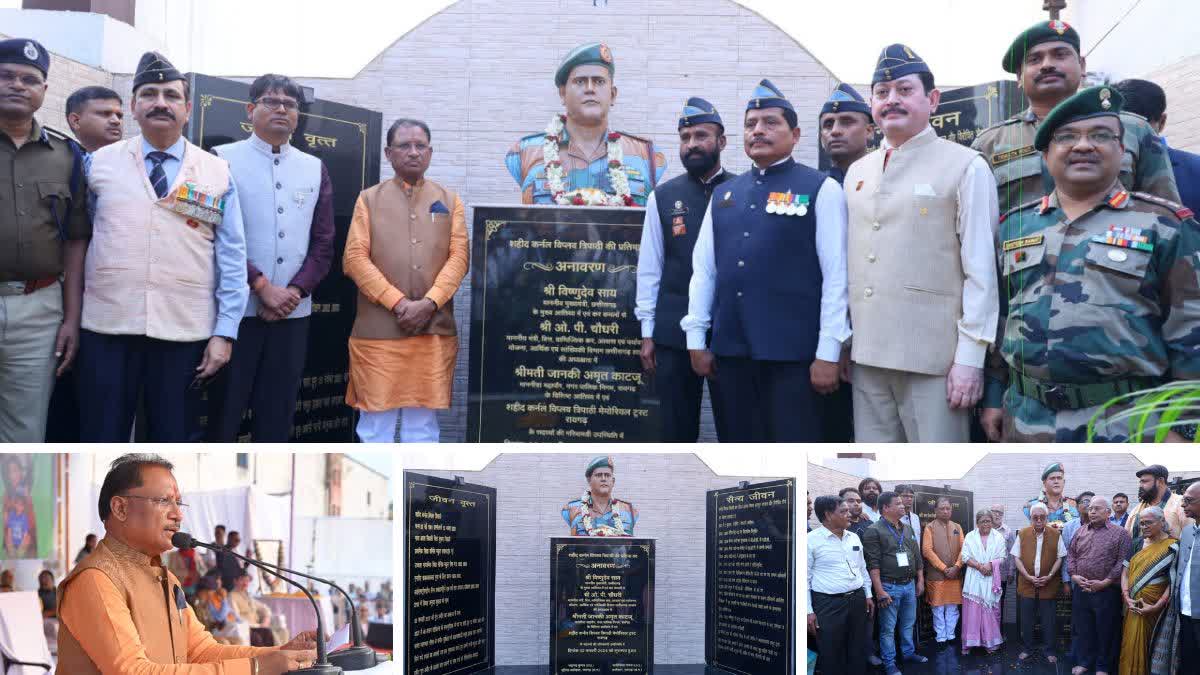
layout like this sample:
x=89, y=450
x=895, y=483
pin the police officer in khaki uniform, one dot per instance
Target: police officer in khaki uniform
x=44, y=232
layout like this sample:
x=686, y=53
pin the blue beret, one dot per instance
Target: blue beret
x=592, y=53
x=154, y=67
x=1091, y=102
x=896, y=61
x=27, y=53
x=1042, y=31
x=767, y=95
x=699, y=111
x=845, y=99
x=597, y=463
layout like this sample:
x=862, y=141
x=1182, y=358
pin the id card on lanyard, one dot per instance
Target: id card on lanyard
x=901, y=552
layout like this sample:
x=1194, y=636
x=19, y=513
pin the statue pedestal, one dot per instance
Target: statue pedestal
x=601, y=605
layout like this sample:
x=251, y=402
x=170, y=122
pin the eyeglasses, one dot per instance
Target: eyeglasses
x=161, y=502
x=407, y=147
x=9, y=77
x=1095, y=137
x=272, y=103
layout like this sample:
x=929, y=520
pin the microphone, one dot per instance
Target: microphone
x=322, y=665
x=358, y=656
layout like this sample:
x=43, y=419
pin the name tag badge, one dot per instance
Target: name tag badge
x=854, y=548
x=902, y=558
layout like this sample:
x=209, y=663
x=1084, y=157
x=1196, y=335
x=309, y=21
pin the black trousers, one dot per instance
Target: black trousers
x=767, y=401
x=1094, y=615
x=1031, y=611
x=113, y=369
x=841, y=633
x=263, y=374
x=1189, y=638
x=681, y=394
x=837, y=415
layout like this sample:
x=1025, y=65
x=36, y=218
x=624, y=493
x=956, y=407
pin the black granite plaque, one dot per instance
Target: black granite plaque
x=601, y=605
x=962, y=113
x=346, y=139
x=554, y=342
x=449, y=576
x=750, y=581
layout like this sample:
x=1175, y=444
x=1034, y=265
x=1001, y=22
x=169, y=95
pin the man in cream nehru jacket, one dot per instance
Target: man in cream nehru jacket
x=922, y=267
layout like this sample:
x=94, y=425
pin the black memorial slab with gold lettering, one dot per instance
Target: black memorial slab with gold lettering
x=346, y=139
x=449, y=576
x=962, y=113
x=601, y=605
x=925, y=499
x=554, y=342
x=750, y=579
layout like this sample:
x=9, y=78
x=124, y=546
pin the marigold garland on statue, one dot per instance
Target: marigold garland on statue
x=617, y=529
x=584, y=196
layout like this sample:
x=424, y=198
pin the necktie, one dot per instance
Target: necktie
x=158, y=177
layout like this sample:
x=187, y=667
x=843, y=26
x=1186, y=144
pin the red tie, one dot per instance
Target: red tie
x=886, y=156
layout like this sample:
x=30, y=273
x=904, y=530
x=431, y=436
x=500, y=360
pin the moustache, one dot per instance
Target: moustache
x=891, y=109
x=161, y=112
x=1048, y=73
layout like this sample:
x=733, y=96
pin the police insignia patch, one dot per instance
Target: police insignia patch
x=605, y=53
x=31, y=51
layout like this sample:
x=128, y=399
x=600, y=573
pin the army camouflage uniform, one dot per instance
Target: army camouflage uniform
x=1021, y=175
x=1097, y=319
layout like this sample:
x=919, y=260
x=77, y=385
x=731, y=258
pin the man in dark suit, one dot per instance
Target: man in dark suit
x=1187, y=589
x=1148, y=100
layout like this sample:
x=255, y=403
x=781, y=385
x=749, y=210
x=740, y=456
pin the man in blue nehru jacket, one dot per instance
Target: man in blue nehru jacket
x=673, y=214
x=769, y=278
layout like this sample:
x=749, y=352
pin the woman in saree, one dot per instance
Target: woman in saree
x=982, y=553
x=1146, y=590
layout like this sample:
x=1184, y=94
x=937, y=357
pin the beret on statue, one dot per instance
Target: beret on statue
x=597, y=463
x=592, y=53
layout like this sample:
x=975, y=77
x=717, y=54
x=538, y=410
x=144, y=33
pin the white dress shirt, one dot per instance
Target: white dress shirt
x=1037, y=553
x=650, y=263
x=835, y=566
x=914, y=521
x=1185, y=586
x=978, y=216
x=870, y=513
x=831, y=252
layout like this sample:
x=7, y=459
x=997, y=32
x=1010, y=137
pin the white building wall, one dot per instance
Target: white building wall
x=668, y=491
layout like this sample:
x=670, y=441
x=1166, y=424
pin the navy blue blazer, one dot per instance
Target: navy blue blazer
x=1186, y=166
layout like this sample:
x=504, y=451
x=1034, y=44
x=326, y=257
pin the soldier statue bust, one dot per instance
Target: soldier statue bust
x=577, y=160
x=597, y=513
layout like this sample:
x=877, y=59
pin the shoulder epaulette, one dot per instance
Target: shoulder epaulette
x=1021, y=207
x=533, y=136
x=647, y=141
x=1133, y=114
x=62, y=136
x=1011, y=120
x=1179, y=210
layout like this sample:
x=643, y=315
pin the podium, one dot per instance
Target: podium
x=601, y=605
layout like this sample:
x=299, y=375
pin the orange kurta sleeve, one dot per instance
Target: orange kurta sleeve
x=927, y=550
x=356, y=261
x=451, y=275
x=95, y=613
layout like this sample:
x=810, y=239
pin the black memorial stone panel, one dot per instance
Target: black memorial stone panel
x=346, y=139
x=449, y=576
x=602, y=605
x=750, y=579
x=962, y=504
x=555, y=346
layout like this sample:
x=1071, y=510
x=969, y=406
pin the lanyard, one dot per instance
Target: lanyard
x=899, y=536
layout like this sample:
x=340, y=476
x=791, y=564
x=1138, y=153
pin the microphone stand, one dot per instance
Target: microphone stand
x=356, y=657
x=322, y=665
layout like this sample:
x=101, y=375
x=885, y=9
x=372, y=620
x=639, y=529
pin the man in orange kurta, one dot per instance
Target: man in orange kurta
x=407, y=252
x=121, y=612
x=941, y=546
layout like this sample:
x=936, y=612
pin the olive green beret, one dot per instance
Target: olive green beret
x=597, y=463
x=1042, y=31
x=1051, y=468
x=1091, y=102
x=593, y=53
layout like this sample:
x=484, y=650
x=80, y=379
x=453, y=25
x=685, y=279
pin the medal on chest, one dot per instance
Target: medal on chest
x=787, y=204
x=1124, y=236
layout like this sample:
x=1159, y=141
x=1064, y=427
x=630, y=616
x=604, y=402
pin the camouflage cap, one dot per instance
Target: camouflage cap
x=592, y=53
x=1042, y=31
x=1099, y=101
